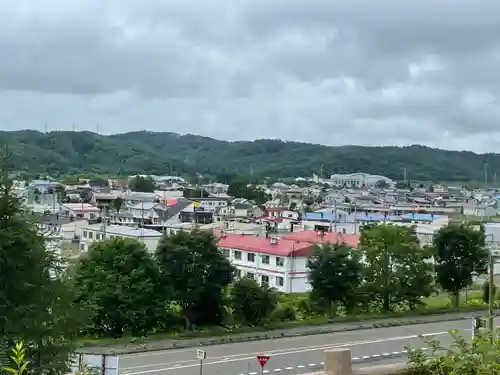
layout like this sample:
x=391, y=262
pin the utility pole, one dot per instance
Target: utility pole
x=486, y=176
x=494, y=179
x=321, y=172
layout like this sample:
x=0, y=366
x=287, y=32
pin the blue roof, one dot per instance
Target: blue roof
x=422, y=217
x=324, y=215
x=41, y=182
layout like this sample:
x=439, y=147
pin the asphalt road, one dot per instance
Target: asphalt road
x=294, y=355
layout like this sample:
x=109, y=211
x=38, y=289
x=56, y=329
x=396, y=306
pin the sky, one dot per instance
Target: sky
x=386, y=72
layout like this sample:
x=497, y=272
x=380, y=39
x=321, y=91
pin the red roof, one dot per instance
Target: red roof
x=171, y=201
x=247, y=242
x=273, y=219
x=314, y=237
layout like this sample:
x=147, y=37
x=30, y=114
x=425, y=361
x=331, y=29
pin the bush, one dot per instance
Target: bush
x=461, y=358
x=284, y=313
x=486, y=292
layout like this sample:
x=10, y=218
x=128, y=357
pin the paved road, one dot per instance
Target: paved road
x=294, y=355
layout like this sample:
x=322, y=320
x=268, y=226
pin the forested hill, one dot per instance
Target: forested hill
x=161, y=153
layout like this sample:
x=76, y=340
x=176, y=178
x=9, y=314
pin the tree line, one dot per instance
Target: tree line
x=390, y=270
x=63, y=152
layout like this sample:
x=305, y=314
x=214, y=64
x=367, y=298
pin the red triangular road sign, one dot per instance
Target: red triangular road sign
x=263, y=359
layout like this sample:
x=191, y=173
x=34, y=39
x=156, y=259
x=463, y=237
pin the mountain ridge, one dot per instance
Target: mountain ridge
x=62, y=152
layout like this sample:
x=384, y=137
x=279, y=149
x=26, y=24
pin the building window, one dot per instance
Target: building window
x=265, y=259
x=237, y=255
x=82, y=246
x=250, y=275
x=237, y=274
x=279, y=281
x=84, y=234
x=251, y=257
x=91, y=235
x=280, y=262
x=226, y=252
x=97, y=237
x=264, y=279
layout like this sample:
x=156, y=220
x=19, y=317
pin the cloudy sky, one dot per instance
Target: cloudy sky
x=323, y=71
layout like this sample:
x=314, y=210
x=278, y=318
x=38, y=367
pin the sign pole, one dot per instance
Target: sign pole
x=201, y=355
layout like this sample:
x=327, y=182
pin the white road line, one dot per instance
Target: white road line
x=322, y=363
x=284, y=353
x=376, y=355
x=252, y=373
x=311, y=364
x=394, y=353
x=288, y=368
x=300, y=366
x=355, y=359
x=277, y=370
x=366, y=357
x=386, y=354
x=265, y=371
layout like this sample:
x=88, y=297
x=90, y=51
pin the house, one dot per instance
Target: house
x=79, y=210
x=278, y=263
x=211, y=203
x=359, y=180
x=101, y=232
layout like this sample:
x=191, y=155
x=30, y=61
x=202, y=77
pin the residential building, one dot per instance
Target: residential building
x=278, y=262
x=358, y=180
x=100, y=232
x=79, y=210
x=210, y=203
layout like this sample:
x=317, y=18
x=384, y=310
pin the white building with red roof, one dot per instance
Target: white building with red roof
x=277, y=262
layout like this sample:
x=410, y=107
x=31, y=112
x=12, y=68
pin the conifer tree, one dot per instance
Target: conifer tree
x=35, y=302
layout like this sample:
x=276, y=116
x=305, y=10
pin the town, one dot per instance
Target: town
x=308, y=251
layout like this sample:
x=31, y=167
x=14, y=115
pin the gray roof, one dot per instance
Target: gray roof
x=166, y=213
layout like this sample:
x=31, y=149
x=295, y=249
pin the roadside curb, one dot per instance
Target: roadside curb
x=269, y=335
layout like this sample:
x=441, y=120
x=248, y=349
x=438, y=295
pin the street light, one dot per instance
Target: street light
x=491, y=264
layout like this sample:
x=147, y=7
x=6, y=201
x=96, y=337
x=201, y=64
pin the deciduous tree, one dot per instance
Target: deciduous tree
x=252, y=303
x=336, y=274
x=398, y=270
x=197, y=272
x=459, y=250
x=142, y=184
x=121, y=279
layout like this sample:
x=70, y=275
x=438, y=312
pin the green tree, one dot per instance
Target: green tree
x=336, y=274
x=459, y=250
x=142, y=184
x=117, y=204
x=35, y=302
x=252, y=303
x=398, y=271
x=241, y=189
x=197, y=272
x=121, y=279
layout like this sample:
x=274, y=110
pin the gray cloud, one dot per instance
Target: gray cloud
x=343, y=72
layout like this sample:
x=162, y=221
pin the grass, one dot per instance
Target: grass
x=440, y=304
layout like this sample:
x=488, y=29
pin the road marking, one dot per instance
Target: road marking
x=366, y=357
x=287, y=339
x=283, y=353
